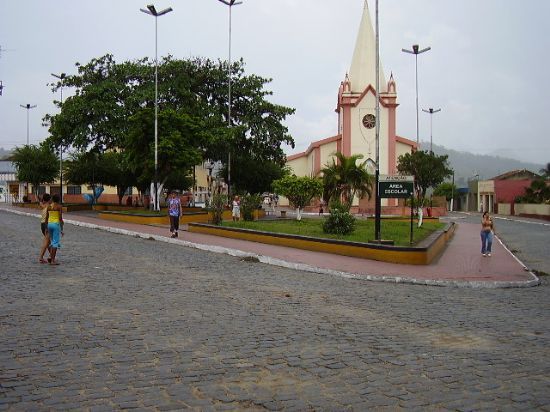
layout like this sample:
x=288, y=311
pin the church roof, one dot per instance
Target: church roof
x=363, y=64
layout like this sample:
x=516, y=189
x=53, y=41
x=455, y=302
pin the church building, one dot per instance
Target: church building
x=356, y=109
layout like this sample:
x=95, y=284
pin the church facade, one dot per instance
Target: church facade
x=356, y=110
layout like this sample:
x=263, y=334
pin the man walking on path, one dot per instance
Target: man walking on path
x=174, y=213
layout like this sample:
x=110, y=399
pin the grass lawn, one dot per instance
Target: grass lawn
x=397, y=230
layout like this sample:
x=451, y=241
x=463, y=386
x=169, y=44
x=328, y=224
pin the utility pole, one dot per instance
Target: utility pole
x=61, y=78
x=28, y=107
x=431, y=111
x=230, y=4
x=416, y=51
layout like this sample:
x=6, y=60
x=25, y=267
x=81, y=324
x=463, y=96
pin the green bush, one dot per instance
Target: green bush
x=250, y=203
x=217, y=206
x=340, y=221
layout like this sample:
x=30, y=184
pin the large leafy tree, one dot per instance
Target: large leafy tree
x=89, y=168
x=250, y=175
x=105, y=95
x=200, y=86
x=428, y=169
x=35, y=164
x=298, y=190
x=178, y=150
x=117, y=173
x=449, y=190
x=344, y=179
x=112, y=108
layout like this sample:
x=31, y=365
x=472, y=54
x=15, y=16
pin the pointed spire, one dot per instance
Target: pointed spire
x=391, y=85
x=347, y=84
x=363, y=64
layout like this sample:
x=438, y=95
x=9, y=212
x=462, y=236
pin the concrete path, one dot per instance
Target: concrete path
x=460, y=265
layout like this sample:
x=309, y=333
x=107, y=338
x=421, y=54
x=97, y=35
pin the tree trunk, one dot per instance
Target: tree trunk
x=420, y=215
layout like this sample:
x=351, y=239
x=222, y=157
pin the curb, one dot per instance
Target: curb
x=308, y=268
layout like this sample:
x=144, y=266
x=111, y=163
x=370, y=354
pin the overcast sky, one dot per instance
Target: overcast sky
x=488, y=69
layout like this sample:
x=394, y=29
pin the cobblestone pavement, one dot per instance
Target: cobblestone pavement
x=128, y=323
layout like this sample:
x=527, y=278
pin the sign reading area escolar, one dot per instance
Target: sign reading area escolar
x=396, y=189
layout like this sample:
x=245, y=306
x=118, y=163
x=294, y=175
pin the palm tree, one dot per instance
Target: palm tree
x=344, y=179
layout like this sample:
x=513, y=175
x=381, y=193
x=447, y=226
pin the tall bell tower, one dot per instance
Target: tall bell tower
x=357, y=104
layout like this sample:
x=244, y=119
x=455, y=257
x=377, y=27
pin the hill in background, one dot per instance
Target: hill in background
x=467, y=165
x=4, y=153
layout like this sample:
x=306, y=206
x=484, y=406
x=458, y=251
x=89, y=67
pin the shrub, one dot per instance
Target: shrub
x=340, y=221
x=250, y=203
x=217, y=206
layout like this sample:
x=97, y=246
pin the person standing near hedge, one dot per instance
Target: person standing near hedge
x=236, y=210
x=174, y=213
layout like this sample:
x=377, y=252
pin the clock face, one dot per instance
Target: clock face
x=369, y=121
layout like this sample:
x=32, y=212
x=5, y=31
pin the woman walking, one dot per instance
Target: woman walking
x=54, y=218
x=487, y=232
x=174, y=213
x=44, y=203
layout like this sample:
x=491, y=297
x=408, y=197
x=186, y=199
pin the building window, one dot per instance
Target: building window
x=128, y=192
x=41, y=190
x=74, y=190
x=369, y=121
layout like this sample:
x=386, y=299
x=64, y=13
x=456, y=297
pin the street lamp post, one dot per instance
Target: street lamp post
x=416, y=51
x=28, y=107
x=61, y=78
x=453, y=192
x=377, y=204
x=153, y=12
x=230, y=4
x=431, y=111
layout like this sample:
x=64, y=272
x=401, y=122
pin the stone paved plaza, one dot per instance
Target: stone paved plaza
x=128, y=323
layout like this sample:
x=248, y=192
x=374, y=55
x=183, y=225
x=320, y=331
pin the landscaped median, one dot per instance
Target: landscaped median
x=422, y=254
x=155, y=218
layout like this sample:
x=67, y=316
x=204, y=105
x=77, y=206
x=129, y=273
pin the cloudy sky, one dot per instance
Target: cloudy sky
x=488, y=69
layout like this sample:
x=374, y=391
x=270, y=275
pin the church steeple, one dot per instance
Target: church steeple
x=363, y=64
x=392, y=89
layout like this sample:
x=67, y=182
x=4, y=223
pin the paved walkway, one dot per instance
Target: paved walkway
x=129, y=323
x=460, y=265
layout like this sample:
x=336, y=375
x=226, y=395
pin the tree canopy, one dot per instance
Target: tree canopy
x=299, y=190
x=428, y=169
x=449, y=190
x=112, y=108
x=35, y=164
